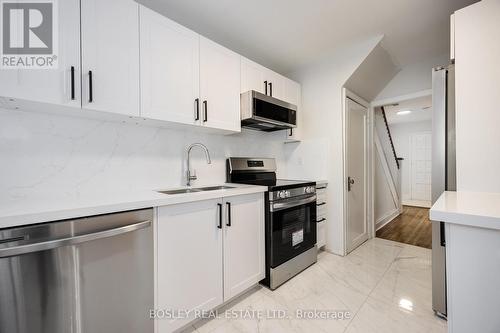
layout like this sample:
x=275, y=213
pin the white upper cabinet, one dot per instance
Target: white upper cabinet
x=253, y=76
x=276, y=84
x=244, y=243
x=57, y=86
x=110, y=56
x=170, y=72
x=219, y=86
x=293, y=96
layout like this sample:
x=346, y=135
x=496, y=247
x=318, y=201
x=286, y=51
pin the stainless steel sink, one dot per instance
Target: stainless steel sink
x=214, y=188
x=198, y=189
x=181, y=191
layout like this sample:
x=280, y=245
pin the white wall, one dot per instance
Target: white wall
x=401, y=134
x=384, y=205
x=322, y=149
x=477, y=54
x=413, y=78
x=44, y=154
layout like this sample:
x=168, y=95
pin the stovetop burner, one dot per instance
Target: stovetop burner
x=260, y=171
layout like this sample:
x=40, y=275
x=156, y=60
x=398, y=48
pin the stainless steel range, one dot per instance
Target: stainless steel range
x=290, y=217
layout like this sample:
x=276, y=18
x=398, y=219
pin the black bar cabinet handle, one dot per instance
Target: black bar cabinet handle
x=197, y=115
x=205, y=106
x=265, y=87
x=323, y=219
x=291, y=132
x=441, y=234
x=72, y=83
x=228, y=204
x=91, y=95
x=271, y=89
x=321, y=204
x=220, y=216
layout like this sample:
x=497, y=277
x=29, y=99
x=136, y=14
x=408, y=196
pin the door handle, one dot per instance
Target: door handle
x=350, y=182
x=197, y=114
x=91, y=97
x=220, y=216
x=228, y=204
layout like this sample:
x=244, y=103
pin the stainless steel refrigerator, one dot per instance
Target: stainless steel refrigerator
x=443, y=173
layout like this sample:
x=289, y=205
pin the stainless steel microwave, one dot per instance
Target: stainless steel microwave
x=265, y=113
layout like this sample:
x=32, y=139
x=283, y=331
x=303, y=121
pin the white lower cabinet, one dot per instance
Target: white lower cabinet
x=208, y=252
x=189, y=260
x=244, y=247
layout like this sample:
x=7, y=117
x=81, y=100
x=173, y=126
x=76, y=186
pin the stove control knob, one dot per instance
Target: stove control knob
x=307, y=189
x=287, y=194
x=281, y=194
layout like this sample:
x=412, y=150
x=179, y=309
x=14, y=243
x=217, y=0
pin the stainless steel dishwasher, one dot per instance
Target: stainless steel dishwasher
x=87, y=275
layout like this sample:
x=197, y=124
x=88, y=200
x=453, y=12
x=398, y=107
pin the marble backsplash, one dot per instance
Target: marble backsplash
x=45, y=154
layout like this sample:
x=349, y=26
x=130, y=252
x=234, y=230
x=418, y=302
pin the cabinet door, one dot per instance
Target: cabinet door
x=293, y=96
x=276, y=85
x=252, y=76
x=189, y=259
x=219, y=86
x=244, y=244
x=52, y=85
x=169, y=69
x=110, y=53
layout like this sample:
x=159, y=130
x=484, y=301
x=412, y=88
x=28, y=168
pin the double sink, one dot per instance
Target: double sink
x=197, y=189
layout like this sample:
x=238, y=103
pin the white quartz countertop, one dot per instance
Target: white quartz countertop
x=24, y=211
x=468, y=208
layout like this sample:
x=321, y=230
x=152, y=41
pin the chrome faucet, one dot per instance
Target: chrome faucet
x=189, y=176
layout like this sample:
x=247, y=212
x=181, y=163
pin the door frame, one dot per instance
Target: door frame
x=369, y=156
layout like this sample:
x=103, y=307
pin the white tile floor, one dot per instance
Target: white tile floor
x=385, y=286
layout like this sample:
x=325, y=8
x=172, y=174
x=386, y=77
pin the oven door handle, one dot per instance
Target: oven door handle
x=292, y=203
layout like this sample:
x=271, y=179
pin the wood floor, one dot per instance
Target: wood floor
x=411, y=227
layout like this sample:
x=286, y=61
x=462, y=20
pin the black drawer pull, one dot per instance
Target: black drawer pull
x=323, y=219
x=220, y=216
x=197, y=115
x=321, y=204
x=72, y=83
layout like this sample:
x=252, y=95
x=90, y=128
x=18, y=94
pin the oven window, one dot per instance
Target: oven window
x=293, y=232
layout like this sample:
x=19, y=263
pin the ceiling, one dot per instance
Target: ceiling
x=421, y=110
x=287, y=34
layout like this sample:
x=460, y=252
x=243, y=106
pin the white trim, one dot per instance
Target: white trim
x=389, y=217
x=397, y=99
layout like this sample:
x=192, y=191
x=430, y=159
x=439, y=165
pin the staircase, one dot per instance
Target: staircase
x=388, y=168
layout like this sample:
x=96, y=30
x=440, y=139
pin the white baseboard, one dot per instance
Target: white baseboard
x=417, y=203
x=386, y=219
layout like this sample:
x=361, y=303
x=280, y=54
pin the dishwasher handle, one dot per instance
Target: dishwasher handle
x=52, y=244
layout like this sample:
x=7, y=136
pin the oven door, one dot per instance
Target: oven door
x=292, y=228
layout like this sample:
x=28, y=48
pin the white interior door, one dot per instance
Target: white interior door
x=421, y=163
x=357, y=228
x=110, y=50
